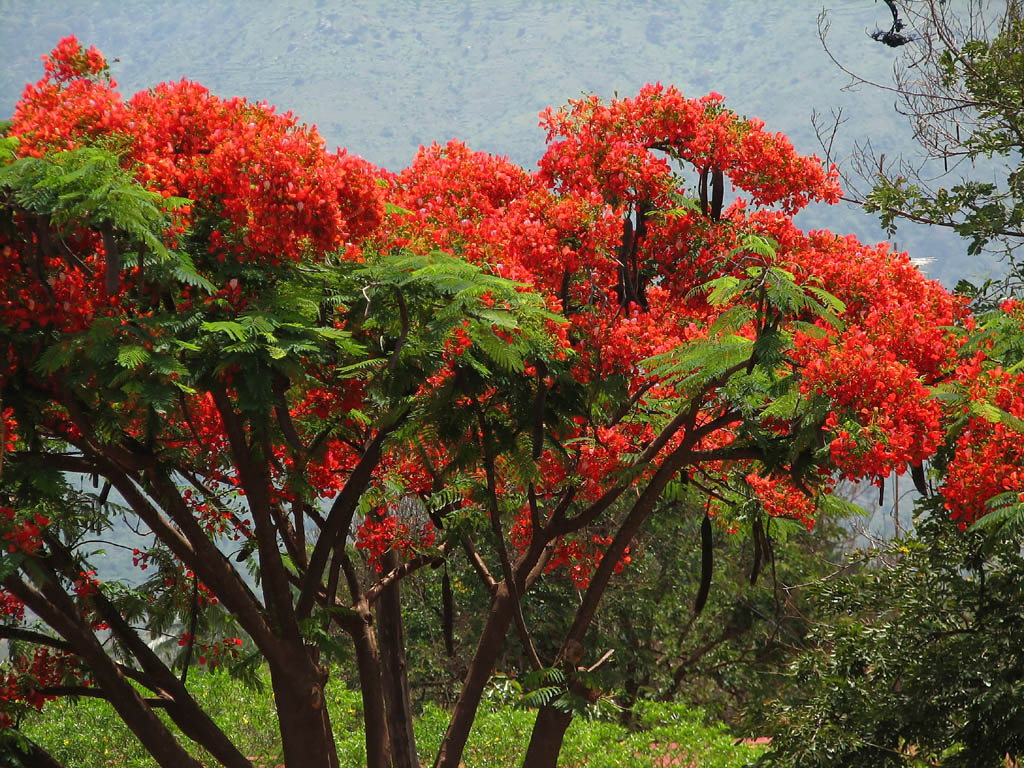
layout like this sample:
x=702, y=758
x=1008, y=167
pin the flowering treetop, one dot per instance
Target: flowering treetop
x=265, y=348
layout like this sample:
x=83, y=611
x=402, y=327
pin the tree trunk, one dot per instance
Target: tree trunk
x=302, y=713
x=546, y=741
x=549, y=729
x=195, y=723
x=27, y=754
x=375, y=722
x=192, y=719
x=398, y=701
x=487, y=650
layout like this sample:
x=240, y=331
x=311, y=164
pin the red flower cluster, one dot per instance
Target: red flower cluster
x=23, y=533
x=24, y=685
x=876, y=372
x=212, y=654
x=140, y=559
x=1014, y=308
x=11, y=606
x=489, y=211
x=561, y=232
x=272, y=181
x=69, y=62
x=883, y=417
x=264, y=185
x=67, y=299
x=73, y=103
x=86, y=584
x=380, y=533
x=779, y=497
x=8, y=430
x=897, y=308
x=578, y=556
x=603, y=209
x=593, y=145
x=988, y=456
x=214, y=519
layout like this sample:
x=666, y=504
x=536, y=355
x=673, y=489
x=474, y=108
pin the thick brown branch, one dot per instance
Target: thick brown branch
x=351, y=577
x=339, y=519
x=403, y=313
x=38, y=638
x=96, y=693
x=489, y=582
x=624, y=409
x=401, y=571
x=205, y=559
x=284, y=416
x=58, y=611
x=255, y=479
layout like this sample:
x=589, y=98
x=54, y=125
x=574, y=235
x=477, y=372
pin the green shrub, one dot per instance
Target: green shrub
x=666, y=730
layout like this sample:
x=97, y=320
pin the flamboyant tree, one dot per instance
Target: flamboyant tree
x=300, y=378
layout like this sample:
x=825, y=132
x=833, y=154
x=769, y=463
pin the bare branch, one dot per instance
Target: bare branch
x=403, y=570
x=499, y=535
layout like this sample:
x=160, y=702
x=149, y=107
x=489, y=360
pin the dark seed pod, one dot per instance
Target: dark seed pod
x=113, y=259
x=447, y=613
x=717, y=193
x=758, y=535
x=917, y=475
x=702, y=189
x=706, y=564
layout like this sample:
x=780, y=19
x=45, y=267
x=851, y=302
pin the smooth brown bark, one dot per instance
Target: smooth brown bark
x=306, y=736
x=31, y=755
x=254, y=472
x=187, y=541
x=394, y=671
x=192, y=719
x=339, y=521
x=375, y=721
x=546, y=740
x=197, y=725
x=57, y=610
x=551, y=724
x=527, y=569
x=297, y=679
x=487, y=650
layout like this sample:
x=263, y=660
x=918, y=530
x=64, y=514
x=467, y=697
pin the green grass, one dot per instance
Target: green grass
x=89, y=734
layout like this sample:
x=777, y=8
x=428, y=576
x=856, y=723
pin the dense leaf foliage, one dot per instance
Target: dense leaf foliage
x=916, y=660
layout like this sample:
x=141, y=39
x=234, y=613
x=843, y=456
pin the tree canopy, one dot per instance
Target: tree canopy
x=300, y=378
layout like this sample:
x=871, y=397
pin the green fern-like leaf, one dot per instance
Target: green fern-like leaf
x=540, y=697
x=132, y=356
x=1006, y=515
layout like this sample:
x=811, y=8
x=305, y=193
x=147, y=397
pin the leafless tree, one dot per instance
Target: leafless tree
x=959, y=83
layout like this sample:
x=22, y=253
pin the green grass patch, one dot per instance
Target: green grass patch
x=88, y=733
